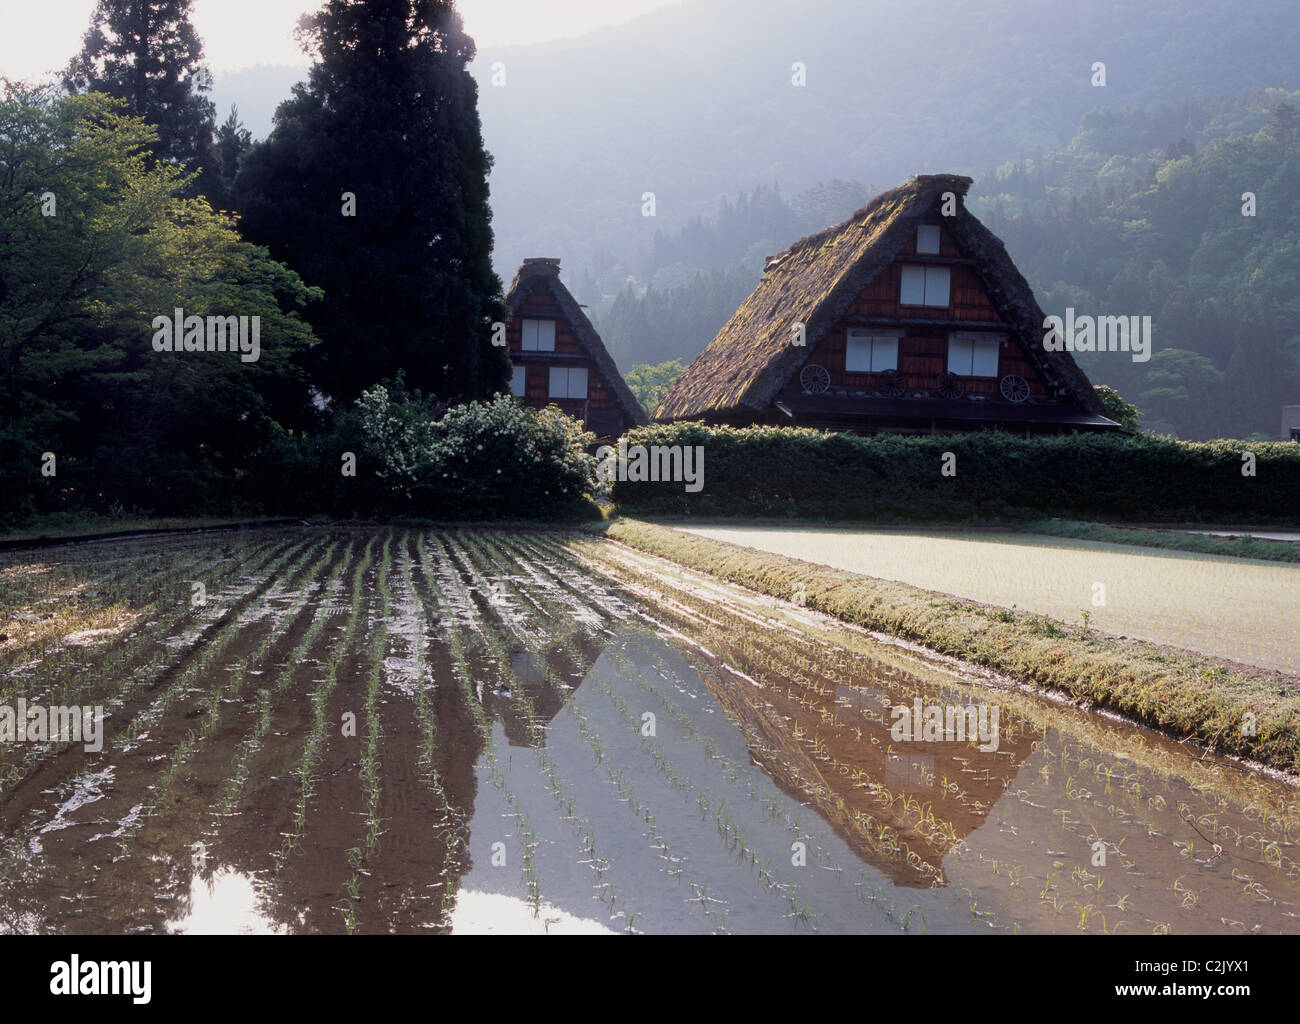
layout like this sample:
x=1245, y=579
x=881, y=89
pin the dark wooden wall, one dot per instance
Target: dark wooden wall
x=539, y=304
x=923, y=349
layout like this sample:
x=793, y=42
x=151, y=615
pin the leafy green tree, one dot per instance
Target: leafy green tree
x=373, y=185
x=1152, y=218
x=1177, y=381
x=217, y=181
x=1126, y=414
x=96, y=241
x=1285, y=124
x=147, y=53
x=651, y=383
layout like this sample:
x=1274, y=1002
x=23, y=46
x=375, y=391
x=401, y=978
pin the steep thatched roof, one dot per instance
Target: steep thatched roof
x=545, y=271
x=818, y=278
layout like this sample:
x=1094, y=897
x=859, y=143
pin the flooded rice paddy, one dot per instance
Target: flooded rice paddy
x=387, y=730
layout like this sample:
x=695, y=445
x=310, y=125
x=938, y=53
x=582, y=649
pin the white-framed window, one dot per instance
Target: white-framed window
x=973, y=355
x=924, y=286
x=538, y=335
x=519, y=381
x=568, y=382
x=927, y=238
x=869, y=351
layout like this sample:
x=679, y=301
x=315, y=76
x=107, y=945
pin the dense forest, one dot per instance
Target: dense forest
x=1149, y=213
x=581, y=128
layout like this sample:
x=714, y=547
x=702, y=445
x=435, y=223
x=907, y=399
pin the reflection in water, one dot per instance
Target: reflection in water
x=549, y=745
x=484, y=913
x=1076, y=821
x=225, y=902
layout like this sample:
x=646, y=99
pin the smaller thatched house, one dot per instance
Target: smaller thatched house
x=908, y=317
x=558, y=357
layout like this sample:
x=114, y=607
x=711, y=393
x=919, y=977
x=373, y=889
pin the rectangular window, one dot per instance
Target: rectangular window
x=538, y=335
x=924, y=286
x=519, y=381
x=568, y=382
x=870, y=353
x=927, y=238
x=970, y=356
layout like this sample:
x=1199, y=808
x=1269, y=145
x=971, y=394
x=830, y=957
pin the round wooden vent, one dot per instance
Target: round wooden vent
x=892, y=384
x=815, y=379
x=1014, y=388
x=950, y=386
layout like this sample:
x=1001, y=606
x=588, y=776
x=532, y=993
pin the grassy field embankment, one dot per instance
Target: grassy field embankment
x=1241, y=545
x=1245, y=714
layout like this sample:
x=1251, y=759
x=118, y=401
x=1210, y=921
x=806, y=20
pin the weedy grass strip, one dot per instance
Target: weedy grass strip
x=1184, y=695
x=1241, y=545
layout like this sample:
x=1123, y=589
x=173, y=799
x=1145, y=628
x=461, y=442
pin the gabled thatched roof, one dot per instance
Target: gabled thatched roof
x=818, y=278
x=545, y=271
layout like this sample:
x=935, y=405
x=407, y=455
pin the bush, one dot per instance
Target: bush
x=790, y=472
x=1123, y=412
x=483, y=460
x=498, y=459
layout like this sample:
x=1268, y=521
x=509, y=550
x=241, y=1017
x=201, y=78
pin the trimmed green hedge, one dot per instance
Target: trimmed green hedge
x=785, y=472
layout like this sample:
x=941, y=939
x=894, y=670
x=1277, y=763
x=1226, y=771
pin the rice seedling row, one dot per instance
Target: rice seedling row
x=729, y=831
x=503, y=772
x=140, y=666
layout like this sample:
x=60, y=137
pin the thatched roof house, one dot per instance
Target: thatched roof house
x=559, y=358
x=909, y=317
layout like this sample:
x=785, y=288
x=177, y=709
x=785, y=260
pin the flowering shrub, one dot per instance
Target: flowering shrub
x=401, y=437
x=494, y=459
x=498, y=459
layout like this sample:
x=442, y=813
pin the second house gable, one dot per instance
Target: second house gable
x=925, y=314
x=557, y=361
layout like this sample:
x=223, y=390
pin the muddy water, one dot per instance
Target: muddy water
x=381, y=730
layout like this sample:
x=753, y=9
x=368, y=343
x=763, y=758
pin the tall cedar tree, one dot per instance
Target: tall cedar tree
x=217, y=182
x=389, y=114
x=148, y=53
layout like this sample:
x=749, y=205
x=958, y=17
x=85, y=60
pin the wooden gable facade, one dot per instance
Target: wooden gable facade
x=558, y=357
x=911, y=321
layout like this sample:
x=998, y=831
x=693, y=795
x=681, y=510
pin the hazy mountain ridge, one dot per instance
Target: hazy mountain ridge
x=583, y=127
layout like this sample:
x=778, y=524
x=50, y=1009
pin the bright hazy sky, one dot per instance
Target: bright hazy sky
x=37, y=36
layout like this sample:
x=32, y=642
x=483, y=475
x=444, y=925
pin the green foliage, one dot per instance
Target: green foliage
x=79, y=288
x=388, y=115
x=147, y=53
x=1143, y=214
x=799, y=473
x=1126, y=414
x=481, y=460
x=499, y=459
x=651, y=383
x=217, y=182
